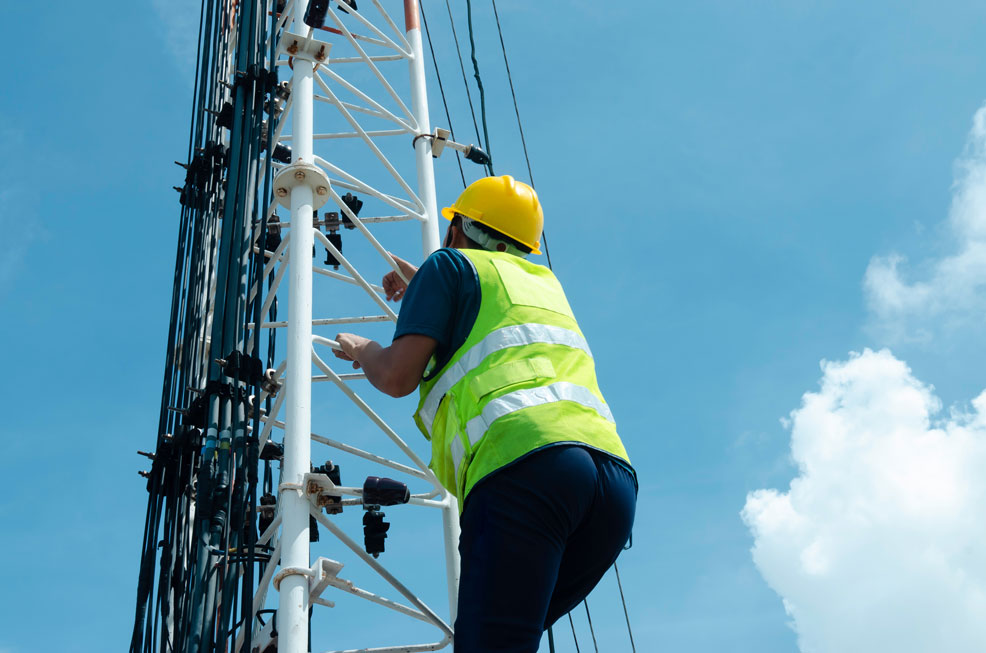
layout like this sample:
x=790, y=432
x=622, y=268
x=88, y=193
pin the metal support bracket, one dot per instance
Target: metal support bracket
x=325, y=572
x=300, y=47
x=321, y=490
x=296, y=174
x=438, y=141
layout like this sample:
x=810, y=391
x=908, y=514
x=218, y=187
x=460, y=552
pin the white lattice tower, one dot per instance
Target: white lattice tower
x=357, y=103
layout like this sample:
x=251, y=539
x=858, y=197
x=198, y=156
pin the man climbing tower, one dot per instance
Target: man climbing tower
x=519, y=430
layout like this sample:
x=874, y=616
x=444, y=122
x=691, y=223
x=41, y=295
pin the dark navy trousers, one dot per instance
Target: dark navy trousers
x=536, y=538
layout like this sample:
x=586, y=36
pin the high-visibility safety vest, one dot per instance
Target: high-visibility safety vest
x=524, y=378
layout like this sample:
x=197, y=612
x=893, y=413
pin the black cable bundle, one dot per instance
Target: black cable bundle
x=197, y=567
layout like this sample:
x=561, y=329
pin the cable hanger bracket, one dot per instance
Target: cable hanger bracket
x=440, y=139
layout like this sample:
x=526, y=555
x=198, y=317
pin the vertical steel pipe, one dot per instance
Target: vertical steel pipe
x=422, y=150
x=292, y=614
x=429, y=243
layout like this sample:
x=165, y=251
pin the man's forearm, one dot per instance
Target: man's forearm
x=395, y=370
x=383, y=371
x=373, y=359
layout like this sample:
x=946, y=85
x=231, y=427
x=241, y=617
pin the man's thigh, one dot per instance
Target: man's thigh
x=514, y=531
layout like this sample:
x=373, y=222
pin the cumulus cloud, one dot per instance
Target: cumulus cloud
x=878, y=544
x=947, y=290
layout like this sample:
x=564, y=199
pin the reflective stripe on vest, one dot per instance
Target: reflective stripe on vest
x=511, y=336
x=520, y=399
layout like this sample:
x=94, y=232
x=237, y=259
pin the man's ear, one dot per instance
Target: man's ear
x=455, y=236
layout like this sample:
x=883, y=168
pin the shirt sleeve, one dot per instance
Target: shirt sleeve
x=429, y=305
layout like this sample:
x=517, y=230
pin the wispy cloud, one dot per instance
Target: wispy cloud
x=18, y=214
x=180, y=19
x=21, y=232
x=877, y=545
x=947, y=291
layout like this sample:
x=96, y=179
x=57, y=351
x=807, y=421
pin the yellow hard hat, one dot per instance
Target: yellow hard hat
x=504, y=204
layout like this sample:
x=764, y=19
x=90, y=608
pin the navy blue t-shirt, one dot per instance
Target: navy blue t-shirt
x=442, y=302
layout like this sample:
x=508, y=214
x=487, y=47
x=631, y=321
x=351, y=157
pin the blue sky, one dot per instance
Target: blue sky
x=725, y=186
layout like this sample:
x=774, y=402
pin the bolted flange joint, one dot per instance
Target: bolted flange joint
x=297, y=174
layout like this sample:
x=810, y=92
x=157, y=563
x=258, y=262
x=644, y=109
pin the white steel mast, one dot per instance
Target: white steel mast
x=328, y=147
x=370, y=41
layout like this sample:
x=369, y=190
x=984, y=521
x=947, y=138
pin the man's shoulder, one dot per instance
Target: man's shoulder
x=443, y=291
x=447, y=262
x=446, y=255
x=445, y=271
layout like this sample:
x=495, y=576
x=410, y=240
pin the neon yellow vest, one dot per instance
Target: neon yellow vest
x=524, y=378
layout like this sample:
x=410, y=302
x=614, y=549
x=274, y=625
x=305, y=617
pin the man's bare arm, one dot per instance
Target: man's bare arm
x=395, y=370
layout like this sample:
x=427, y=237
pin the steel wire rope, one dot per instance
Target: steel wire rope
x=574, y=636
x=441, y=89
x=592, y=631
x=520, y=126
x=462, y=67
x=482, y=97
x=479, y=84
x=626, y=614
x=513, y=94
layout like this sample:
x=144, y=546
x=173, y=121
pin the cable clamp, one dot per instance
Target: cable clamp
x=291, y=571
x=440, y=140
x=322, y=574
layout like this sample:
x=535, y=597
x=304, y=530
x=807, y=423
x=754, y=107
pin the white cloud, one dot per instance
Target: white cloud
x=878, y=545
x=18, y=213
x=180, y=19
x=23, y=231
x=948, y=290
